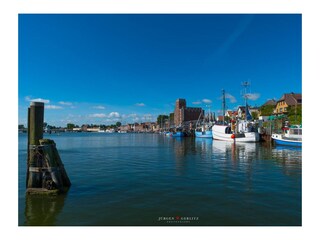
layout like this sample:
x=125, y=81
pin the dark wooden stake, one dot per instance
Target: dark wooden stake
x=45, y=170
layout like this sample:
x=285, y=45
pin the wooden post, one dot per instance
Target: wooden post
x=28, y=147
x=35, y=133
x=36, y=122
x=45, y=170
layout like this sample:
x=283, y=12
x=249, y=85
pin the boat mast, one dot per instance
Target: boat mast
x=245, y=96
x=223, y=104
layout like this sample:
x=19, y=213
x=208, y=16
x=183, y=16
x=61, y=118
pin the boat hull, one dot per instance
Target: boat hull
x=280, y=141
x=205, y=134
x=219, y=133
x=177, y=134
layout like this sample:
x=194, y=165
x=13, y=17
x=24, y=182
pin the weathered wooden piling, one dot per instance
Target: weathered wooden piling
x=36, y=116
x=45, y=170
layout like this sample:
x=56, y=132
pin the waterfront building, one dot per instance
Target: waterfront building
x=125, y=128
x=270, y=102
x=241, y=112
x=231, y=114
x=182, y=113
x=288, y=99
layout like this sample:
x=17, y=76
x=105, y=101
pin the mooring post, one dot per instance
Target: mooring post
x=36, y=122
x=45, y=170
x=35, y=133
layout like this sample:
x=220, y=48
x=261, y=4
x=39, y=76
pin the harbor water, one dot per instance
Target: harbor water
x=153, y=180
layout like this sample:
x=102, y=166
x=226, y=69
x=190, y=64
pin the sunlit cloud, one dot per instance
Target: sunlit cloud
x=136, y=119
x=133, y=115
x=52, y=107
x=140, y=104
x=114, y=115
x=65, y=103
x=98, y=115
x=147, y=117
x=196, y=102
x=207, y=101
x=253, y=96
x=231, y=98
x=29, y=99
x=99, y=107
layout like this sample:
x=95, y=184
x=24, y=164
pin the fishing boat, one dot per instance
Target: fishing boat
x=203, y=133
x=224, y=133
x=291, y=137
x=177, y=134
x=204, y=128
x=237, y=131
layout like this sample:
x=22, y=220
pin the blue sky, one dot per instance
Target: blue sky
x=103, y=68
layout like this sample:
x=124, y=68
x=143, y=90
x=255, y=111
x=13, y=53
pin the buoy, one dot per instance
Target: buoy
x=233, y=136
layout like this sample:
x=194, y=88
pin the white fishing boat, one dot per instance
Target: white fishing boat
x=224, y=133
x=291, y=137
x=239, y=131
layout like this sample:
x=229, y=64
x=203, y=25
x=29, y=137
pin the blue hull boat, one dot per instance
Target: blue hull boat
x=288, y=142
x=177, y=134
x=291, y=137
x=204, y=134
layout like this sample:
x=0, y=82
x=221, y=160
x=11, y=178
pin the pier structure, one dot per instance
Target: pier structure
x=45, y=170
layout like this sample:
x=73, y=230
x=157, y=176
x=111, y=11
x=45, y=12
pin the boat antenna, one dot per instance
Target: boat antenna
x=245, y=85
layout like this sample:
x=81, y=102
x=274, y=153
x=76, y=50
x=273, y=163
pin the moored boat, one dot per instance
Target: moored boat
x=177, y=134
x=224, y=133
x=237, y=131
x=201, y=133
x=291, y=137
x=204, y=128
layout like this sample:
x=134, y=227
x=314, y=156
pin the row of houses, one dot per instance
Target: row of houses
x=140, y=127
x=279, y=107
x=187, y=116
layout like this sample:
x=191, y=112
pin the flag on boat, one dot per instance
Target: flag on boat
x=248, y=114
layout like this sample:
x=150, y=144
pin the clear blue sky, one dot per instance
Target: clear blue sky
x=105, y=68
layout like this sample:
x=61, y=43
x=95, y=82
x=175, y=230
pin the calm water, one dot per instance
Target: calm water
x=150, y=179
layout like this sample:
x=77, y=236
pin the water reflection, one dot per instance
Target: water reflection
x=289, y=158
x=287, y=153
x=243, y=152
x=183, y=148
x=43, y=210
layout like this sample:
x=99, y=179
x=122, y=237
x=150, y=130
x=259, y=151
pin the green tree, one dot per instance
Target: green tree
x=266, y=110
x=295, y=114
x=254, y=115
x=70, y=125
x=161, y=119
x=118, y=124
x=171, y=117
